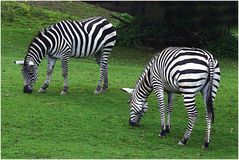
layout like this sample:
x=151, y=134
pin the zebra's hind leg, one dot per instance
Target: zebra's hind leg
x=50, y=67
x=99, y=86
x=189, y=102
x=105, y=75
x=98, y=61
x=103, y=78
x=169, y=111
x=102, y=60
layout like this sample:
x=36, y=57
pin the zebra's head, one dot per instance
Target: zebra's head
x=29, y=72
x=137, y=107
x=137, y=110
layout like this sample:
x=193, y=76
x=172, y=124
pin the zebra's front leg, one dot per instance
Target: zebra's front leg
x=50, y=67
x=159, y=92
x=162, y=114
x=65, y=73
x=169, y=111
x=189, y=102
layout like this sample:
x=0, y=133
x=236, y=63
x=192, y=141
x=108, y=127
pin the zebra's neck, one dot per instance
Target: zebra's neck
x=38, y=48
x=143, y=87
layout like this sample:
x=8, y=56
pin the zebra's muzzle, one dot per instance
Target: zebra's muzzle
x=27, y=89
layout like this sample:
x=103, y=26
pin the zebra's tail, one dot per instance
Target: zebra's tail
x=209, y=102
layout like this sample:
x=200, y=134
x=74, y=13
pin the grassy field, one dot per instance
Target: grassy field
x=84, y=125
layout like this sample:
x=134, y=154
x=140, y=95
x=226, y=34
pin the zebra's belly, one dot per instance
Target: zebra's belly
x=81, y=55
x=171, y=88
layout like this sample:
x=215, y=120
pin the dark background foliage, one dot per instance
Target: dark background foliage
x=158, y=25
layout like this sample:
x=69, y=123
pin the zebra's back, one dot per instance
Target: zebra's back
x=83, y=38
x=184, y=69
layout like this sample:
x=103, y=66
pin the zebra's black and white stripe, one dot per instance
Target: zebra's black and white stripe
x=178, y=70
x=70, y=39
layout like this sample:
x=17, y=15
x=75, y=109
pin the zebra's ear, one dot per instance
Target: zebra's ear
x=127, y=90
x=19, y=62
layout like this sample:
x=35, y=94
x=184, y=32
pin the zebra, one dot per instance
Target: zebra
x=65, y=39
x=181, y=70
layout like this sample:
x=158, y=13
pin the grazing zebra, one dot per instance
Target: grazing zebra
x=66, y=39
x=177, y=70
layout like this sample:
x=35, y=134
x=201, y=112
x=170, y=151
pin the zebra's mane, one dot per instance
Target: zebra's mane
x=38, y=35
x=88, y=19
x=146, y=69
x=46, y=29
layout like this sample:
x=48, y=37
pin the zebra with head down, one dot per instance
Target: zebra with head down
x=177, y=70
x=67, y=39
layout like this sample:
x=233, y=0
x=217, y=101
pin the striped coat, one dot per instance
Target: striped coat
x=66, y=39
x=177, y=70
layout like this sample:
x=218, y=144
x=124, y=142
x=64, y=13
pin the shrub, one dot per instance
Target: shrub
x=225, y=46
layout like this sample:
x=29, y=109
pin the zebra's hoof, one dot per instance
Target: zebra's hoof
x=63, y=93
x=167, y=130
x=133, y=123
x=41, y=90
x=97, y=92
x=206, y=145
x=181, y=143
x=162, y=134
x=27, y=89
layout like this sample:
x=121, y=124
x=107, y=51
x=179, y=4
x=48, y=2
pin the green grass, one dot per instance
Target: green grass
x=41, y=14
x=78, y=9
x=84, y=125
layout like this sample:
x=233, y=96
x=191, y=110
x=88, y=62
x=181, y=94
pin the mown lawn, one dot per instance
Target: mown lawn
x=84, y=125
